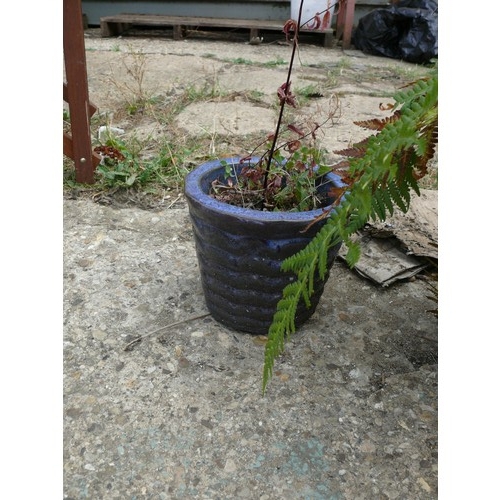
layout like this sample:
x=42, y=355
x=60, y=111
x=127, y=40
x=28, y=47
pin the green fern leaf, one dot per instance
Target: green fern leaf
x=353, y=253
x=379, y=206
x=384, y=170
x=396, y=196
x=384, y=193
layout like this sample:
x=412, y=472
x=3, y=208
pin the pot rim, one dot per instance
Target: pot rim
x=194, y=191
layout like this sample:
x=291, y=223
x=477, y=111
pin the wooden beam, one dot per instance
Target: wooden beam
x=345, y=21
x=92, y=107
x=117, y=24
x=77, y=91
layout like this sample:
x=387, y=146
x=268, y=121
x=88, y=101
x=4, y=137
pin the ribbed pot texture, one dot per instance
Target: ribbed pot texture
x=240, y=252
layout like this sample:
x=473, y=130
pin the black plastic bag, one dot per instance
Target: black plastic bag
x=407, y=30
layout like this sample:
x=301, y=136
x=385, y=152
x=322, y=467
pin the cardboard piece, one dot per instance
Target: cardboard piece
x=402, y=245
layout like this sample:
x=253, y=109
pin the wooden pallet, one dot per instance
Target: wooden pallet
x=116, y=25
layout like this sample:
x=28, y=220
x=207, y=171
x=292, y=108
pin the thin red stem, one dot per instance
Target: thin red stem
x=283, y=101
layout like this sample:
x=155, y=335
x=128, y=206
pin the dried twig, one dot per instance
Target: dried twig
x=131, y=345
x=175, y=201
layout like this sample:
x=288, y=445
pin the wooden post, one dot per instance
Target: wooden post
x=345, y=21
x=349, y=21
x=79, y=146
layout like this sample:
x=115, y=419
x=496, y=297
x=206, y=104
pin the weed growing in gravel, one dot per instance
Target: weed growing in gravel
x=241, y=60
x=338, y=71
x=277, y=62
x=147, y=164
x=407, y=72
x=256, y=95
x=308, y=92
x=166, y=168
x=207, y=92
x=127, y=164
x=133, y=89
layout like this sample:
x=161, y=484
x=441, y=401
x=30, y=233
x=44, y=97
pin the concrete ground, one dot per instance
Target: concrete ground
x=351, y=412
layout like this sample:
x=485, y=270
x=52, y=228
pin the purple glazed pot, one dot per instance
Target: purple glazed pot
x=240, y=252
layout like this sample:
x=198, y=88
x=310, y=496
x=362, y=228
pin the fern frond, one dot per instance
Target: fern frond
x=356, y=151
x=397, y=197
x=379, y=205
x=353, y=253
x=377, y=123
x=383, y=171
x=383, y=193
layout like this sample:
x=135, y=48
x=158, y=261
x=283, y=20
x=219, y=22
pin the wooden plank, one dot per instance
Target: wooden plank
x=160, y=20
x=114, y=25
x=92, y=107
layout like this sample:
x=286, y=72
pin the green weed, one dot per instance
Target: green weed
x=308, y=92
x=166, y=169
x=272, y=64
x=241, y=60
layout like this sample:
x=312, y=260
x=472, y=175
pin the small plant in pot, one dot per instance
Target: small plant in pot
x=268, y=227
x=250, y=214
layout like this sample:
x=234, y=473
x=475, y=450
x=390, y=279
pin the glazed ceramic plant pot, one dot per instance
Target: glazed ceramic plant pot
x=240, y=252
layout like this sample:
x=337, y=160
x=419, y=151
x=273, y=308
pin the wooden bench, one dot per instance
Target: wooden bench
x=118, y=24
